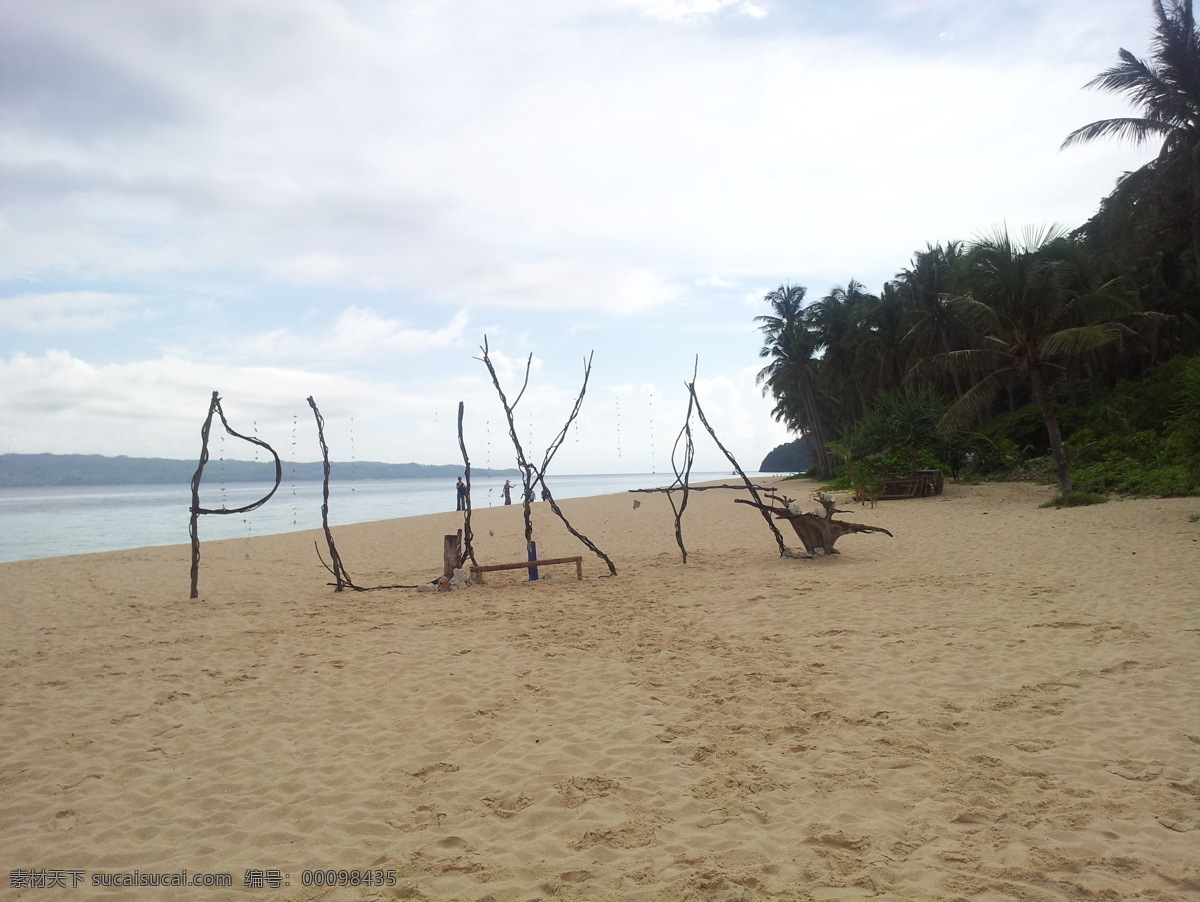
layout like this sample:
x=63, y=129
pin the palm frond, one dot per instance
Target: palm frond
x=970, y=361
x=974, y=401
x=1139, y=131
x=1081, y=339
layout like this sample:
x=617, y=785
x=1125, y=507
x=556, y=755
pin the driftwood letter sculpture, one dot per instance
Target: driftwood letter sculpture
x=214, y=406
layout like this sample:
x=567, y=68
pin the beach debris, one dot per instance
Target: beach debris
x=817, y=531
x=459, y=579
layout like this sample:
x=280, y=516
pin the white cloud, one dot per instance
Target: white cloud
x=357, y=333
x=548, y=167
x=346, y=187
x=58, y=403
x=690, y=10
x=64, y=311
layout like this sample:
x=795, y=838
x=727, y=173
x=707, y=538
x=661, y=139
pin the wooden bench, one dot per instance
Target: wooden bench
x=478, y=570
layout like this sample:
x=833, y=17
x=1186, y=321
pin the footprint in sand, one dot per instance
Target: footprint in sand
x=507, y=804
x=578, y=790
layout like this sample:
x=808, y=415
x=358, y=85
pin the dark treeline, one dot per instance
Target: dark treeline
x=17, y=470
x=790, y=457
x=972, y=341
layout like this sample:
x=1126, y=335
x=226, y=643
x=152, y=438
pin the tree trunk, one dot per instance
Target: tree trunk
x=817, y=439
x=452, y=554
x=1041, y=394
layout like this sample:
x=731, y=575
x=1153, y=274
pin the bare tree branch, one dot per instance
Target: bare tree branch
x=468, y=551
x=783, y=549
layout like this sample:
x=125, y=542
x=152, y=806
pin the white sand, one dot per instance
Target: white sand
x=1001, y=702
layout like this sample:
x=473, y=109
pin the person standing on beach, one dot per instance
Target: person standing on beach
x=461, y=487
x=507, y=492
x=955, y=463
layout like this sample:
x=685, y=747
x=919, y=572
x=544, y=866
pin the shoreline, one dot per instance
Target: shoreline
x=999, y=700
x=37, y=523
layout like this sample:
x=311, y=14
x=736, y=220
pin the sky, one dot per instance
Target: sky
x=344, y=199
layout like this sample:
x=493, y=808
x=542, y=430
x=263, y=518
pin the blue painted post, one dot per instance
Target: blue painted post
x=533, y=571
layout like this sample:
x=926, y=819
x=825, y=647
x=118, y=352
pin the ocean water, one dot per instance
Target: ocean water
x=54, y=521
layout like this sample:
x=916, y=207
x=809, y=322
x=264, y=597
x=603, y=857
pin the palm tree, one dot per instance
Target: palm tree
x=924, y=286
x=841, y=320
x=791, y=375
x=888, y=327
x=1034, y=308
x=1168, y=92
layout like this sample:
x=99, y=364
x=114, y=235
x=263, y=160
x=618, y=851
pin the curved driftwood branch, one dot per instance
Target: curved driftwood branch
x=553, y=447
x=532, y=475
x=783, y=549
x=683, y=475
x=317, y=548
x=214, y=406
x=701, y=488
x=468, y=550
x=337, y=569
x=612, y=568
x=524, y=465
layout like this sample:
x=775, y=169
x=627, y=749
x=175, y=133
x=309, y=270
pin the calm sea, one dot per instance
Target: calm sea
x=48, y=522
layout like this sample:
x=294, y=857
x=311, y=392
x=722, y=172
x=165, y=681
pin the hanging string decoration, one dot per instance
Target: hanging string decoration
x=294, y=501
x=653, y=467
x=618, y=427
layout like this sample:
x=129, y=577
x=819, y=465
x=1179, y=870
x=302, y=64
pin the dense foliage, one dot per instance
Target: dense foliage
x=1065, y=355
x=790, y=457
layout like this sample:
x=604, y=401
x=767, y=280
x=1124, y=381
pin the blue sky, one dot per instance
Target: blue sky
x=283, y=198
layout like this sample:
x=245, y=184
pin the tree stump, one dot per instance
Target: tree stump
x=818, y=534
x=452, y=554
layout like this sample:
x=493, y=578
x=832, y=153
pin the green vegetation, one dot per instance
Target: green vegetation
x=791, y=457
x=1064, y=356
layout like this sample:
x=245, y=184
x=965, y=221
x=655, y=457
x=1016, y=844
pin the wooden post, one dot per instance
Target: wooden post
x=451, y=554
x=533, y=571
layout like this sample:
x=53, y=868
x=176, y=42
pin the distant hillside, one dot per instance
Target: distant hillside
x=18, y=470
x=794, y=457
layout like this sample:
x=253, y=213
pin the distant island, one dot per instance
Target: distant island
x=793, y=457
x=28, y=470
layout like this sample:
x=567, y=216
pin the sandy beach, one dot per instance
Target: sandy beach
x=1001, y=702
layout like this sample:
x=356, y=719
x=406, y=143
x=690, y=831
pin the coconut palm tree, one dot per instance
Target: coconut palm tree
x=1167, y=90
x=924, y=286
x=887, y=331
x=790, y=377
x=1034, y=308
x=841, y=321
